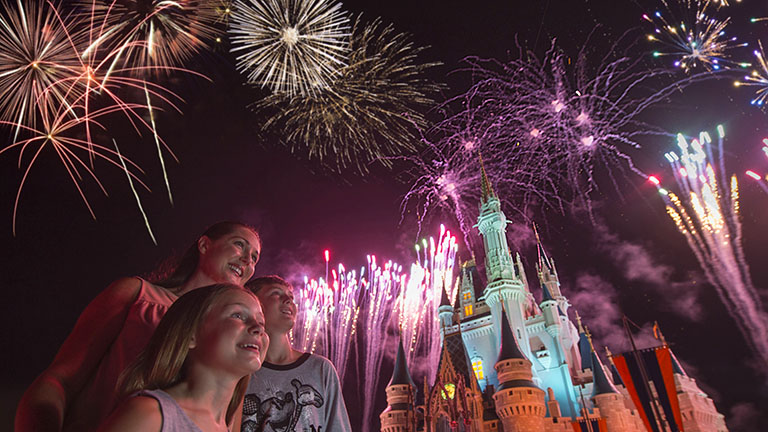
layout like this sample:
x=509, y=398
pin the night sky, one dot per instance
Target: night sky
x=630, y=260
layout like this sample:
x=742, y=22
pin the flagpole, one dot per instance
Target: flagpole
x=641, y=365
x=584, y=411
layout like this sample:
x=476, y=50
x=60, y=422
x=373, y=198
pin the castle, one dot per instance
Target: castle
x=510, y=363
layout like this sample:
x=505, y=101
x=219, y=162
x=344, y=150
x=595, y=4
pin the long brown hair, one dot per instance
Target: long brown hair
x=161, y=364
x=179, y=273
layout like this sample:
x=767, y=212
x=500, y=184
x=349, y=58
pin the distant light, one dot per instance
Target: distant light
x=654, y=180
x=721, y=131
x=327, y=255
x=663, y=191
x=753, y=174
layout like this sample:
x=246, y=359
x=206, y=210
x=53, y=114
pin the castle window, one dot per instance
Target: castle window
x=468, y=310
x=477, y=367
x=467, y=296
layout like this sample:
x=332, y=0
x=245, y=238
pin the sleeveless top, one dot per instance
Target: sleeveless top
x=174, y=418
x=99, y=396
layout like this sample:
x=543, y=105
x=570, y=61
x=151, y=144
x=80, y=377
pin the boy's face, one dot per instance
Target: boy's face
x=279, y=307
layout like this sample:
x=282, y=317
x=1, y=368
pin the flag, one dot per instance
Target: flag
x=582, y=425
x=659, y=369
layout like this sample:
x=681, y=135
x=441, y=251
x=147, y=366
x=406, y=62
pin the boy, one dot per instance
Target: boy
x=293, y=391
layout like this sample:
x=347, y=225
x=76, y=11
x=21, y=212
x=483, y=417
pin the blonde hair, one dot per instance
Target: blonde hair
x=161, y=364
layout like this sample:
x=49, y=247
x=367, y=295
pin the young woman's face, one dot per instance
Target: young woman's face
x=279, y=307
x=231, y=337
x=230, y=258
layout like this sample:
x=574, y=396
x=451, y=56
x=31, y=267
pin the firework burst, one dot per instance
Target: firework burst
x=371, y=112
x=707, y=215
x=543, y=126
x=37, y=54
x=758, y=78
x=293, y=47
x=151, y=35
x=699, y=40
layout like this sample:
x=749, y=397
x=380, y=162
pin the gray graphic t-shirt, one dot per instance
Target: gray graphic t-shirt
x=304, y=396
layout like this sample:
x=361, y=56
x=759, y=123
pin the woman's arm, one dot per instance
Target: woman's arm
x=137, y=414
x=44, y=404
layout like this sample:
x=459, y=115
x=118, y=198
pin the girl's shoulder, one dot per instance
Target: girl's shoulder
x=136, y=413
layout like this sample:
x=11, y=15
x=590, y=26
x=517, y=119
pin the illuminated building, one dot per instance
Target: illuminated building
x=512, y=363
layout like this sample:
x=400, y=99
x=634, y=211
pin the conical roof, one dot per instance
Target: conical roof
x=600, y=382
x=401, y=375
x=546, y=295
x=444, y=298
x=509, y=348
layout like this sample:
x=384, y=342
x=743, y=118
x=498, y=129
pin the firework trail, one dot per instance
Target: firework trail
x=60, y=131
x=293, y=47
x=543, y=126
x=370, y=112
x=150, y=37
x=328, y=315
x=693, y=36
x=366, y=308
x=708, y=217
x=417, y=303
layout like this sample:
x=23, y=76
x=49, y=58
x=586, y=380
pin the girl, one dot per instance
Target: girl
x=199, y=358
x=78, y=390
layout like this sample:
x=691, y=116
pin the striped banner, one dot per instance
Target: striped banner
x=658, y=366
x=582, y=425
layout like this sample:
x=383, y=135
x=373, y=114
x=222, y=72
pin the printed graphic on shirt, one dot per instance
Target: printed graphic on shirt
x=281, y=412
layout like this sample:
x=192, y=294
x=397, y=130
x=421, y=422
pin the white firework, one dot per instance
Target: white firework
x=293, y=47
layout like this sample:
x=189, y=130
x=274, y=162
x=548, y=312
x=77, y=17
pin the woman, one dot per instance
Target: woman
x=193, y=373
x=78, y=390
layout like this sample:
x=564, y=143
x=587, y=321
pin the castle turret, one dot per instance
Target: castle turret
x=558, y=373
x=551, y=312
x=552, y=405
x=547, y=272
x=610, y=402
x=399, y=416
x=519, y=403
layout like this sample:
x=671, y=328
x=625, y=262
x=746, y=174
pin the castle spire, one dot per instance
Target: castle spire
x=509, y=348
x=542, y=254
x=401, y=375
x=444, y=298
x=546, y=295
x=600, y=382
x=487, y=189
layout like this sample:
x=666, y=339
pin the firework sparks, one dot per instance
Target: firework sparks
x=755, y=176
x=711, y=226
x=370, y=112
x=60, y=131
x=293, y=47
x=758, y=78
x=37, y=53
x=364, y=308
x=698, y=40
x=76, y=82
x=155, y=33
x=543, y=126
